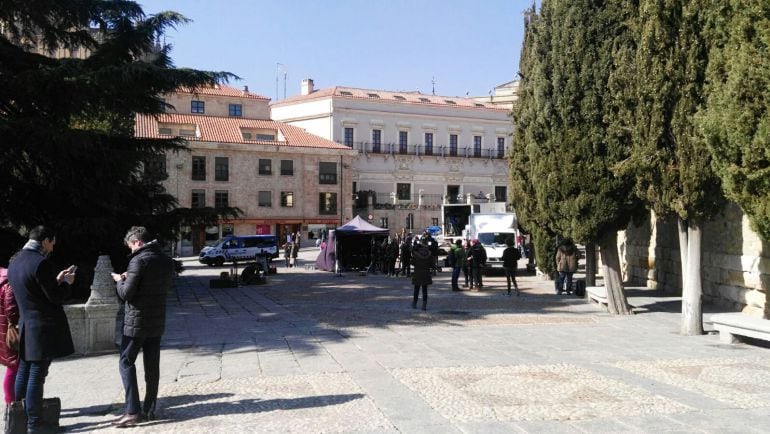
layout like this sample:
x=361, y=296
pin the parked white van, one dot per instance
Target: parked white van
x=240, y=248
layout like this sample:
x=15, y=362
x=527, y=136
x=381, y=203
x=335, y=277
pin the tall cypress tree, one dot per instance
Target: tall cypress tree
x=589, y=201
x=531, y=117
x=70, y=158
x=669, y=161
x=736, y=119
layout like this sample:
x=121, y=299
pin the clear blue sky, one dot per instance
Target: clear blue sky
x=467, y=45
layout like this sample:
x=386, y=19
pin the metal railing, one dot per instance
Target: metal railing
x=420, y=149
x=390, y=200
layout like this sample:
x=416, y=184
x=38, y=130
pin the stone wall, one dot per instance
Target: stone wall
x=736, y=262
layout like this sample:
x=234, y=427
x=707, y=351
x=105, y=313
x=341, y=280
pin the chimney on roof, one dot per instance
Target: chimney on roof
x=307, y=86
x=246, y=89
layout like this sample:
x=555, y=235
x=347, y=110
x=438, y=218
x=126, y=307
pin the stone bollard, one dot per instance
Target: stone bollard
x=93, y=323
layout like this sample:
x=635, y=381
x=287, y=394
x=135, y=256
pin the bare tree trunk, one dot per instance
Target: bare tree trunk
x=591, y=264
x=616, y=299
x=682, y=225
x=692, y=313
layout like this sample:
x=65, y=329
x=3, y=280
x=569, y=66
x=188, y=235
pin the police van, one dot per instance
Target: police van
x=239, y=248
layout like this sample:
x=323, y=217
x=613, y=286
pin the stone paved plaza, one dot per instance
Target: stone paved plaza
x=312, y=352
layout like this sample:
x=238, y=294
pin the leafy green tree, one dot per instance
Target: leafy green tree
x=672, y=170
x=70, y=158
x=736, y=119
x=576, y=145
x=530, y=116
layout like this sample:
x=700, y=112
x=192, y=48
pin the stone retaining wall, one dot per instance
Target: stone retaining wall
x=736, y=262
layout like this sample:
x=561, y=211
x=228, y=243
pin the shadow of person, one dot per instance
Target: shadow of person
x=189, y=407
x=105, y=409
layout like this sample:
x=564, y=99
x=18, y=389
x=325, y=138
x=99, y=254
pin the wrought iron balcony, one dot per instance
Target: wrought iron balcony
x=421, y=149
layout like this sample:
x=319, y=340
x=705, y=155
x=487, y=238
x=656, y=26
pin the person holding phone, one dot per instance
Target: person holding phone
x=43, y=329
x=143, y=288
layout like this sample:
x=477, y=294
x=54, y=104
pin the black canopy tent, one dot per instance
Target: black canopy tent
x=354, y=241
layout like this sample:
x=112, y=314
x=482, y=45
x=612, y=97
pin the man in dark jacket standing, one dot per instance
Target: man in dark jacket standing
x=143, y=288
x=43, y=328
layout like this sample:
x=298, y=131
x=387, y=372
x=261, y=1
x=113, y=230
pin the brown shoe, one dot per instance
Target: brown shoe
x=127, y=420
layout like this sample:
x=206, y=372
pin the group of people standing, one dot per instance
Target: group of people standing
x=291, y=248
x=32, y=293
x=387, y=253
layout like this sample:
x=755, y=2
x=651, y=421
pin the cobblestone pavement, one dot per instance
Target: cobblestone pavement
x=314, y=352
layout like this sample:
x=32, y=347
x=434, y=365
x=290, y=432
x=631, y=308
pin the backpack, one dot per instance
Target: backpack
x=580, y=288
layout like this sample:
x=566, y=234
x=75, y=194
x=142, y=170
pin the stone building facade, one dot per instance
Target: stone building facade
x=282, y=178
x=735, y=264
x=413, y=151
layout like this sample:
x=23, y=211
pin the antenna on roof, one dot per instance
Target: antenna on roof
x=279, y=68
x=433, y=82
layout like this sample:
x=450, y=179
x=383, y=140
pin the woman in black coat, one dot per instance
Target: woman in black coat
x=422, y=259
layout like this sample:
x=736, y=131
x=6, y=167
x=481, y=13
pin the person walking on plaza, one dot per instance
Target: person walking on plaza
x=467, y=264
x=406, y=255
x=287, y=253
x=143, y=288
x=294, y=252
x=477, y=257
x=566, y=265
x=9, y=319
x=391, y=255
x=456, y=259
x=511, y=256
x=421, y=278
x=43, y=329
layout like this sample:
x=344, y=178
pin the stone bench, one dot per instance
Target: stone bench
x=597, y=294
x=735, y=324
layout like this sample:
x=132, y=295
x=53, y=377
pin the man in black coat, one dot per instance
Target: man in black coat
x=43, y=328
x=143, y=288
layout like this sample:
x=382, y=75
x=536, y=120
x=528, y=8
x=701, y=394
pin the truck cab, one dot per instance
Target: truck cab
x=492, y=229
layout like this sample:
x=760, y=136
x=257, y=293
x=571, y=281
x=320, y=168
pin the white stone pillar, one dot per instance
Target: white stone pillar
x=101, y=309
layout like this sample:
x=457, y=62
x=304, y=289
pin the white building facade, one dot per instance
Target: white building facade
x=414, y=151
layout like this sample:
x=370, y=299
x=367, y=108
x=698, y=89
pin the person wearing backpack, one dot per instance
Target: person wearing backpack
x=9, y=318
x=456, y=260
x=511, y=256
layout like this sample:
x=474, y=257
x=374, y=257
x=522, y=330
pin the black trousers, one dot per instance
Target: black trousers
x=424, y=294
x=129, y=351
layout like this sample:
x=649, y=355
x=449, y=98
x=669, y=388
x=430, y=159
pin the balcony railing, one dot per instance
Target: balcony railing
x=388, y=200
x=420, y=149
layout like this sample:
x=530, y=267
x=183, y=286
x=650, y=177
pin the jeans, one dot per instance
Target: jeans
x=30, y=379
x=129, y=351
x=456, y=277
x=562, y=275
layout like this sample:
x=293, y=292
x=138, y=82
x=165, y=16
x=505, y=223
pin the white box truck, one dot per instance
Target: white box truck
x=492, y=229
x=455, y=218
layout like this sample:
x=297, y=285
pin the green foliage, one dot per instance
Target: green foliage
x=669, y=161
x=69, y=157
x=530, y=117
x=736, y=119
x=566, y=143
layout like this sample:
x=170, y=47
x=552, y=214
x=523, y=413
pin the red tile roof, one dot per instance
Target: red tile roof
x=408, y=97
x=222, y=90
x=228, y=130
